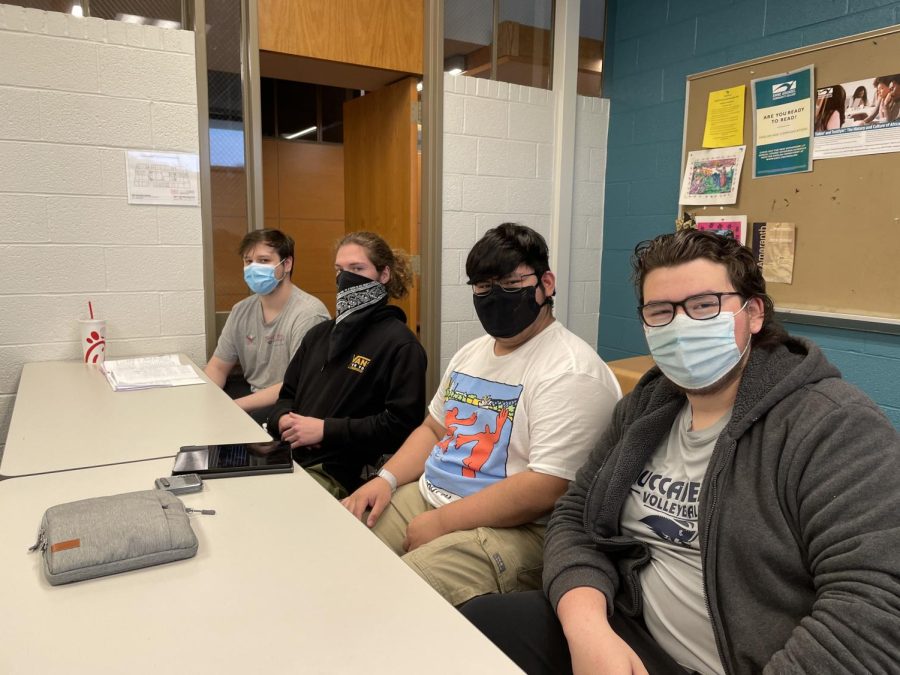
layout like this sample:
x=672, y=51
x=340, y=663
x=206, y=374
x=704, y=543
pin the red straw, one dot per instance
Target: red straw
x=91, y=309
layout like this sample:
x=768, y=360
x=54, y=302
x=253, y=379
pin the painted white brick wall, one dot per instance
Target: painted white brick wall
x=591, y=130
x=498, y=167
x=74, y=95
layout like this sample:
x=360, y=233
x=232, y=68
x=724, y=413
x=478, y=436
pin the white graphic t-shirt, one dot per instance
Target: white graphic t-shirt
x=541, y=408
x=663, y=512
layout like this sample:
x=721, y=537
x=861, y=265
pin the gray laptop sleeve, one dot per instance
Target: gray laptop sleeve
x=107, y=535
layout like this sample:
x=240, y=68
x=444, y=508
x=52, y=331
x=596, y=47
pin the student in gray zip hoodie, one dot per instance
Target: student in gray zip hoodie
x=740, y=515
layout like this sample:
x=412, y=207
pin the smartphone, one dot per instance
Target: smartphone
x=179, y=485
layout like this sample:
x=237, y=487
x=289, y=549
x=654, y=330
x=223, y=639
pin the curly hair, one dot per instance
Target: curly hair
x=381, y=255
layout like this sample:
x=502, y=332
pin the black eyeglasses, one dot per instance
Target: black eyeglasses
x=509, y=284
x=699, y=307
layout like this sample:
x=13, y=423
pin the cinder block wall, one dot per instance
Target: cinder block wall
x=651, y=47
x=76, y=93
x=498, y=167
x=591, y=125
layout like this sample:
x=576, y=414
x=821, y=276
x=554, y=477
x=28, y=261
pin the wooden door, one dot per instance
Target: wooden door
x=381, y=186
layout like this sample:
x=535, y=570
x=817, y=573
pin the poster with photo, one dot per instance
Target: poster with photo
x=712, y=176
x=859, y=117
x=782, y=123
x=727, y=226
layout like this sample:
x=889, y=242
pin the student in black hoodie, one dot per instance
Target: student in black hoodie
x=355, y=389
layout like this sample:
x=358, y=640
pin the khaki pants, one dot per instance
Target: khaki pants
x=468, y=563
x=327, y=481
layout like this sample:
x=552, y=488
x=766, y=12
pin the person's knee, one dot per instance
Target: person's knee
x=454, y=565
x=523, y=626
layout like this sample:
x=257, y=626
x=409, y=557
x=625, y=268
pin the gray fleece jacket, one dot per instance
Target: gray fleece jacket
x=799, y=518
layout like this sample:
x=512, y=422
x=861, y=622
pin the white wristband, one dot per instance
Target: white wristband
x=389, y=477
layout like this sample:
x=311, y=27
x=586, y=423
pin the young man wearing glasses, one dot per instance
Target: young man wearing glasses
x=740, y=515
x=465, y=499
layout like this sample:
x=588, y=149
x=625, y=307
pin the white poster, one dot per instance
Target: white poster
x=163, y=178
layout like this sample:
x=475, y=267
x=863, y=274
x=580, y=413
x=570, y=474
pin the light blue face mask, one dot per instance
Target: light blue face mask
x=261, y=278
x=696, y=354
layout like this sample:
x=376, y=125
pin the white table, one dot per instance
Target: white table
x=285, y=581
x=67, y=416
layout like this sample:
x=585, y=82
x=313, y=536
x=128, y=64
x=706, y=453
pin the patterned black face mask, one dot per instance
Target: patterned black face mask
x=356, y=292
x=357, y=299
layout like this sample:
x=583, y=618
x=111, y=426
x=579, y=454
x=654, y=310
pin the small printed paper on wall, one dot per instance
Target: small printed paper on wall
x=778, y=256
x=163, y=178
x=727, y=226
x=725, y=118
x=712, y=176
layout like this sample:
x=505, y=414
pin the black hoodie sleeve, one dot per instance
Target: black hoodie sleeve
x=289, y=385
x=404, y=408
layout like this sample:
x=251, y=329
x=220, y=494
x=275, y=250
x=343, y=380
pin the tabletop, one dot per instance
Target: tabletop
x=285, y=580
x=67, y=416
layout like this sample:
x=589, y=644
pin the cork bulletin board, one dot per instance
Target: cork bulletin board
x=846, y=211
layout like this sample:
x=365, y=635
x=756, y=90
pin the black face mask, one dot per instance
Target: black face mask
x=356, y=292
x=503, y=314
x=347, y=279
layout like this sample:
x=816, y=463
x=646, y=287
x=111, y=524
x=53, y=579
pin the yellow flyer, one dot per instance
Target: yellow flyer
x=725, y=118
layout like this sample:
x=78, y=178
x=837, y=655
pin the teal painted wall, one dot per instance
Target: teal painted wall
x=651, y=46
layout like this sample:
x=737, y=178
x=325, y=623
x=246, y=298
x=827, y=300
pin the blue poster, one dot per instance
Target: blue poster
x=783, y=123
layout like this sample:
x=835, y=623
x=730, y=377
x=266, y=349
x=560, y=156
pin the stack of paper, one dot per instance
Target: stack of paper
x=149, y=371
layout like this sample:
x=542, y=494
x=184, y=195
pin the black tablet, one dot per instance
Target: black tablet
x=234, y=459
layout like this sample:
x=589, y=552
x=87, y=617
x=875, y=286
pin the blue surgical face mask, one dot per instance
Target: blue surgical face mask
x=261, y=278
x=696, y=354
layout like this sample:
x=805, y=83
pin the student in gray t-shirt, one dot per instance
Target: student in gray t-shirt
x=739, y=515
x=263, y=331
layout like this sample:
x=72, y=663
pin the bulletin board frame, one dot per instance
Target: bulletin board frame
x=846, y=210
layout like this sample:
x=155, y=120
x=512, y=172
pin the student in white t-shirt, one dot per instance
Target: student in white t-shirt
x=464, y=500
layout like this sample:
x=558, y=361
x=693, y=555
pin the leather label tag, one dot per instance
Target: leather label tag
x=65, y=545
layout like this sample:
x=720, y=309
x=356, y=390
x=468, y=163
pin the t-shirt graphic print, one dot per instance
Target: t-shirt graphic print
x=479, y=416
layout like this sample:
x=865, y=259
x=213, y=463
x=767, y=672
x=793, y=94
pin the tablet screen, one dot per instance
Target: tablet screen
x=212, y=461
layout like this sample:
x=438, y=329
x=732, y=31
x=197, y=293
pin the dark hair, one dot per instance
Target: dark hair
x=381, y=255
x=669, y=250
x=282, y=243
x=861, y=94
x=835, y=102
x=503, y=248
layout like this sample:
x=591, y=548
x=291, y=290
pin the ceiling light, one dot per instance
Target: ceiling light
x=419, y=86
x=298, y=134
x=455, y=64
x=77, y=10
x=130, y=18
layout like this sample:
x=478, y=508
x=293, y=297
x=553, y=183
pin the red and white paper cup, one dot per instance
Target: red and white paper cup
x=93, y=340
